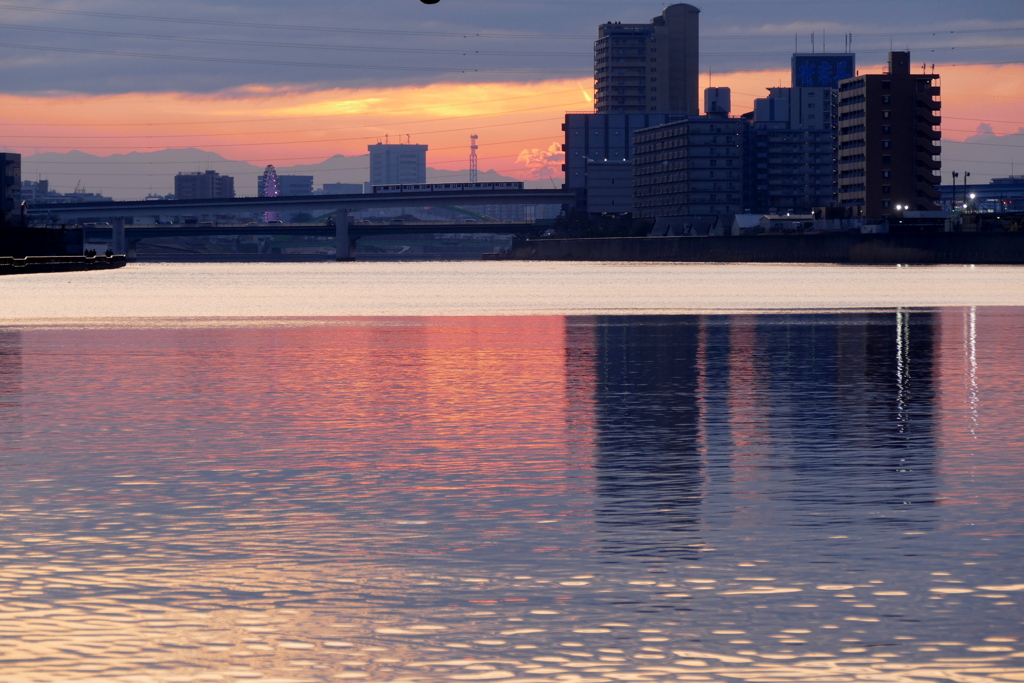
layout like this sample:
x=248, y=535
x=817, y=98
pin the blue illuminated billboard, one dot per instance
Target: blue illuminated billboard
x=822, y=70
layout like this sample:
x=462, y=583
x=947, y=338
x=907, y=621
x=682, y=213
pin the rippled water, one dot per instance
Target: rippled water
x=771, y=497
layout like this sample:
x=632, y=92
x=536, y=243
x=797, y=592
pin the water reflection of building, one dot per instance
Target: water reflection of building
x=10, y=381
x=646, y=433
x=848, y=410
x=812, y=419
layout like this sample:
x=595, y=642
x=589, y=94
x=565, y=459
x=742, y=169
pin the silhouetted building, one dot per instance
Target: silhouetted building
x=599, y=155
x=691, y=168
x=35, y=190
x=295, y=185
x=10, y=187
x=649, y=67
x=204, y=185
x=889, y=141
x=397, y=164
x=342, y=188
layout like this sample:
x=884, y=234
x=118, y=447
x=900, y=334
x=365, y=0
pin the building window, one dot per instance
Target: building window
x=886, y=159
x=886, y=85
x=886, y=203
x=886, y=189
x=886, y=99
x=886, y=129
x=886, y=114
x=886, y=144
x=886, y=174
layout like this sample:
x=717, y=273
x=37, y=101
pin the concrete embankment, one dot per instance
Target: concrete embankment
x=939, y=248
x=10, y=265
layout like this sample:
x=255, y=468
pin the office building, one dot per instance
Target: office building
x=204, y=185
x=690, y=169
x=889, y=141
x=397, y=164
x=649, y=67
x=599, y=155
x=10, y=187
x=792, y=158
x=793, y=155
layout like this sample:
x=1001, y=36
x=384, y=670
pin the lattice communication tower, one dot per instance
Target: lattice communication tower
x=474, y=174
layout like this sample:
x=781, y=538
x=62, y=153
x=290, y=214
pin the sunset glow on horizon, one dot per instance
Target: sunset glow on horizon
x=519, y=123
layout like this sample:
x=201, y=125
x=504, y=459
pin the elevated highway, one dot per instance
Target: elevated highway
x=324, y=203
x=118, y=213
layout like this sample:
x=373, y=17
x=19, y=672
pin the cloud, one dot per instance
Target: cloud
x=123, y=46
x=542, y=163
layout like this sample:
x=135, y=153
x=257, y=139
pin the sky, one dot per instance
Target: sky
x=298, y=82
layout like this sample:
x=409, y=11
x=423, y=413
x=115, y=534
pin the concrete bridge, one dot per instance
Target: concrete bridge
x=131, y=234
x=340, y=204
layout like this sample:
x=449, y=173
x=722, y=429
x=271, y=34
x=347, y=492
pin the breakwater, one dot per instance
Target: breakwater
x=1004, y=248
x=10, y=265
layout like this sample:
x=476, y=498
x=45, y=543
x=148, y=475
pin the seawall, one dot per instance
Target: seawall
x=10, y=265
x=934, y=248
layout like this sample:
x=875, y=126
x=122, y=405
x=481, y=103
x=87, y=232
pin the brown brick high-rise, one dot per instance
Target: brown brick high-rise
x=889, y=141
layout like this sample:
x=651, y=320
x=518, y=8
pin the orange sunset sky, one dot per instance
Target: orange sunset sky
x=519, y=123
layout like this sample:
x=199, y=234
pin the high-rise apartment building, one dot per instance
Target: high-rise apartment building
x=889, y=141
x=649, y=67
x=204, y=185
x=10, y=187
x=691, y=168
x=397, y=164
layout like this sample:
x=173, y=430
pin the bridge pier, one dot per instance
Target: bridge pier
x=342, y=242
x=117, y=242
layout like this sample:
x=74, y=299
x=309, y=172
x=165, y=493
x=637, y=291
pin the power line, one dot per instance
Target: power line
x=305, y=46
x=267, y=62
x=471, y=34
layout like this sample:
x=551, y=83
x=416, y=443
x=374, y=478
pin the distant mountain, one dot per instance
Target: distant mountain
x=134, y=175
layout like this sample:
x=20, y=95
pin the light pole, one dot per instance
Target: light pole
x=952, y=201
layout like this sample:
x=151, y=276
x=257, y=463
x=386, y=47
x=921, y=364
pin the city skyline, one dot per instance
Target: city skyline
x=237, y=81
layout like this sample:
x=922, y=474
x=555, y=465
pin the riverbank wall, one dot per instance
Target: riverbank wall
x=21, y=242
x=9, y=265
x=851, y=248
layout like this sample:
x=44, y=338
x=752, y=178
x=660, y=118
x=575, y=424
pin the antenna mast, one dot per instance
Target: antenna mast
x=474, y=174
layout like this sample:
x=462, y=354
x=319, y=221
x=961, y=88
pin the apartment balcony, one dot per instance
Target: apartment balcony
x=923, y=160
x=926, y=146
x=926, y=116
x=927, y=190
x=926, y=103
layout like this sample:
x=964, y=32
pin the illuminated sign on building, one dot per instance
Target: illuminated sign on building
x=822, y=70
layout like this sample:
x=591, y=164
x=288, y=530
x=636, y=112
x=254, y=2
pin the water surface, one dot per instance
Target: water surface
x=762, y=497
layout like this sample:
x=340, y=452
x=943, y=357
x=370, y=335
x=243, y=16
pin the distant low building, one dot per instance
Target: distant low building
x=397, y=164
x=204, y=185
x=294, y=185
x=342, y=188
